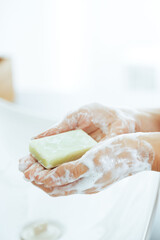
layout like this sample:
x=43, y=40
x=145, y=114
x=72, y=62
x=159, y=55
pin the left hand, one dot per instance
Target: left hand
x=109, y=161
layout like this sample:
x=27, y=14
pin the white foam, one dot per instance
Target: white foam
x=24, y=163
x=137, y=159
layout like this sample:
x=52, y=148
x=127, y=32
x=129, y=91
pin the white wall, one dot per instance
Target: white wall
x=106, y=51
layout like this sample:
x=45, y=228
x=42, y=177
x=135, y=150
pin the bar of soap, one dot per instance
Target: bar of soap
x=64, y=147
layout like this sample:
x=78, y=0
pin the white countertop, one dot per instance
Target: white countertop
x=126, y=206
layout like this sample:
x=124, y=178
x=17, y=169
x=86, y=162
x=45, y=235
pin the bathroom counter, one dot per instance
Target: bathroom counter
x=127, y=203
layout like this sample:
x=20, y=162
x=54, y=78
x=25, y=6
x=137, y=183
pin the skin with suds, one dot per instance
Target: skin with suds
x=121, y=151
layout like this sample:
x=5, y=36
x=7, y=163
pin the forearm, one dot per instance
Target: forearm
x=148, y=120
x=154, y=140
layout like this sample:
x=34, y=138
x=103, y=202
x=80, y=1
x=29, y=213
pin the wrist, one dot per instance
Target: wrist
x=154, y=140
x=147, y=121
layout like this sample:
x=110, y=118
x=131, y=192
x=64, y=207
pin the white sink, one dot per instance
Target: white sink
x=124, y=211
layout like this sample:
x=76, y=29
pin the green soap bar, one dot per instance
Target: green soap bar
x=64, y=147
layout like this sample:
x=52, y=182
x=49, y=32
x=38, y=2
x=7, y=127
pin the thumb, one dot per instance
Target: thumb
x=67, y=124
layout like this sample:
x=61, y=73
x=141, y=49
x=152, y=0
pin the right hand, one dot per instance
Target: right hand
x=98, y=121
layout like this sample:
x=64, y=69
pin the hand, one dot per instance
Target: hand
x=109, y=161
x=98, y=121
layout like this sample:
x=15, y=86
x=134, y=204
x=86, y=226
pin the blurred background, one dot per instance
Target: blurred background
x=68, y=53
x=56, y=55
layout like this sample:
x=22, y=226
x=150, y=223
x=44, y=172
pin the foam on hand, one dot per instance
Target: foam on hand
x=60, y=148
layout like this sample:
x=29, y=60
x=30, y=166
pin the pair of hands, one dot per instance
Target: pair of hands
x=120, y=152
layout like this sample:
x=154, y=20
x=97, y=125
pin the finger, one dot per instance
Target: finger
x=62, y=175
x=90, y=191
x=58, y=128
x=63, y=190
x=89, y=129
x=33, y=170
x=121, y=127
x=69, y=189
x=69, y=123
x=62, y=194
x=76, y=120
x=98, y=135
x=42, y=187
x=26, y=162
